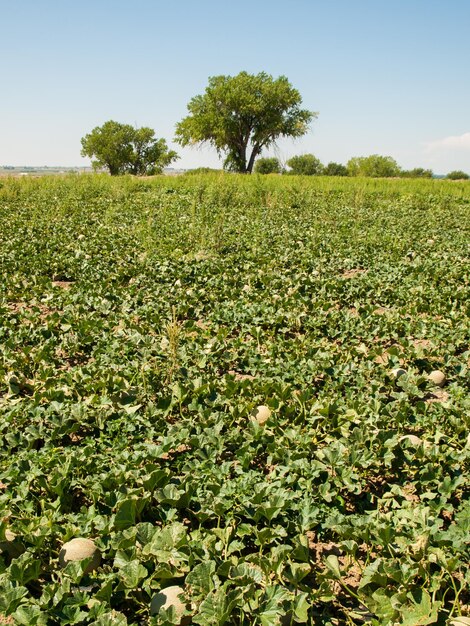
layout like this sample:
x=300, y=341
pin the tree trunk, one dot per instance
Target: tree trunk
x=249, y=168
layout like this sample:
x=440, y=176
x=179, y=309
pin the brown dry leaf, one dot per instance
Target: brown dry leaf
x=409, y=493
x=424, y=344
x=63, y=284
x=380, y=310
x=174, y=451
x=382, y=359
x=352, y=273
x=240, y=376
x=438, y=395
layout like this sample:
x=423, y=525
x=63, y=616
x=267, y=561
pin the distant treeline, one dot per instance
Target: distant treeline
x=373, y=166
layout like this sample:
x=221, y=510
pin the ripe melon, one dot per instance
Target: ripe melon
x=437, y=377
x=78, y=549
x=261, y=414
x=169, y=597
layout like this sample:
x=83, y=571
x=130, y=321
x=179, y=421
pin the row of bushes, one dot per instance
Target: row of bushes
x=374, y=166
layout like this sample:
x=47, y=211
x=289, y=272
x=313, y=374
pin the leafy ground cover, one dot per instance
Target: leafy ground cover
x=143, y=321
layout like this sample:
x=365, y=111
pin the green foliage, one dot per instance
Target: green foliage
x=241, y=115
x=142, y=322
x=335, y=169
x=457, y=175
x=123, y=149
x=374, y=166
x=203, y=170
x=305, y=165
x=417, y=172
x=268, y=165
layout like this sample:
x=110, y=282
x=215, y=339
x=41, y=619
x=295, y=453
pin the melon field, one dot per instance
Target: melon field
x=247, y=398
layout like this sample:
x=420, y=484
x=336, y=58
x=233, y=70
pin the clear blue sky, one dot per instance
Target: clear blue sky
x=386, y=76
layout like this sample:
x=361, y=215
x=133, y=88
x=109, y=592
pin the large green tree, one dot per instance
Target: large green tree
x=240, y=115
x=123, y=149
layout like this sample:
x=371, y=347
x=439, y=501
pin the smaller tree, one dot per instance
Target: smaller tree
x=335, y=169
x=457, y=175
x=268, y=165
x=374, y=166
x=305, y=165
x=123, y=149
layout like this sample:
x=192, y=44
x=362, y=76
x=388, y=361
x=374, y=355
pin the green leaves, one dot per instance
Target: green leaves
x=143, y=321
x=132, y=574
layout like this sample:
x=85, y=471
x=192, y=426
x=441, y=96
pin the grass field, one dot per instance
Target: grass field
x=142, y=323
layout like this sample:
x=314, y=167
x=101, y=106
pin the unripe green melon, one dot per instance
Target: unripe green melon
x=261, y=414
x=78, y=549
x=398, y=372
x=169, y=597
x=437, y=377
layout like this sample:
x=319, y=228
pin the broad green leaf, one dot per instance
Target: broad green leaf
x=132, y=573
x=125, y=514
x=332, y=564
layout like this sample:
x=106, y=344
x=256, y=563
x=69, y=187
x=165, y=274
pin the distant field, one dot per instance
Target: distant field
x=142, y=324
x=41, y=171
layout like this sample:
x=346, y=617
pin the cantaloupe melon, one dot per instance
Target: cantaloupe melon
x=169, y=597
x=438, y=378
x=78, y=549
x=261, y=414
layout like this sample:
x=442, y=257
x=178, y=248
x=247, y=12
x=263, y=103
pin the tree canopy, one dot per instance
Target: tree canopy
x=123, y=149
x=305, y=165
x=416, y=172
x=375, y=166
x=240, y=115
x=335, y=169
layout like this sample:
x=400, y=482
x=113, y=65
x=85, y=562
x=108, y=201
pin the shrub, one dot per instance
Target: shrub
x=457, y=175
x=268, y=165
